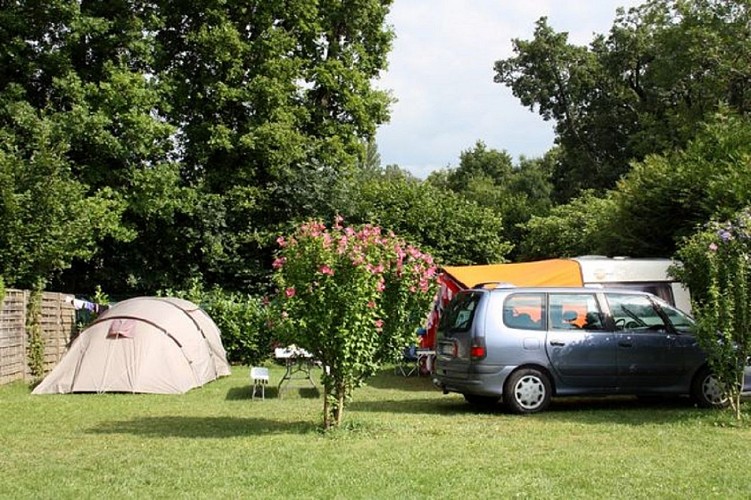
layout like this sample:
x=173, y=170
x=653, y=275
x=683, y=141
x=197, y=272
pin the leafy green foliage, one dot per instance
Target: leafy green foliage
x=243, y=320
x=575, y=228
x=353, y=298
x=35, y=348
x=659, y=202
x=179, y=137
x=665, y=197
x=488, y=178
x=664, y=67
x=48, y=218
x=274, y=100
x=453, y=229
x=717, y=269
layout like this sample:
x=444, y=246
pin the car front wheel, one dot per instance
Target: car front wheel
x=708, y=392
x=527, y=391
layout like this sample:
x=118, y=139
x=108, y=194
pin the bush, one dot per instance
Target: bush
x=242, y=320
x=351, y=297
x=717, y=269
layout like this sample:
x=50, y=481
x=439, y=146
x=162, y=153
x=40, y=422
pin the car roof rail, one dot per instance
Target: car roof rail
x=494, y=284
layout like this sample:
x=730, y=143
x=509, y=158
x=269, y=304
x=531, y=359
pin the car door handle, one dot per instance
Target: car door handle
x=557, y=343
x=625, y=344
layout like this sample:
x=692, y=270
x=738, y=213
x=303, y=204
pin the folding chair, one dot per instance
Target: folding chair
x=259, y=377
x=407, y=364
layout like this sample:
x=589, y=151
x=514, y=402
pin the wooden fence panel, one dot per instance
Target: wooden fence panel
x=58, y=322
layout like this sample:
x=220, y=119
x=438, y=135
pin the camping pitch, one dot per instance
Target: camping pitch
x=145, y=344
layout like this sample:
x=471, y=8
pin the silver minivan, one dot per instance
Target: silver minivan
x=526, y=345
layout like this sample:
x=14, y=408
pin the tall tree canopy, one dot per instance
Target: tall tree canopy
x=452, y=228
x=489, y=178
x=198, y=127
x=644, y=88
x=663, y=200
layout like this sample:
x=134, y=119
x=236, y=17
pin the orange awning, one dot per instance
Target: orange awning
x=553, y=272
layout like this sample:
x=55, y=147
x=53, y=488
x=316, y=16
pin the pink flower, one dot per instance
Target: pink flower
x=338, y=221
x=713, y=247
x=290, y=292
x=371, y=304
x=375, y=269
x=279, y=262
x=281, y=241
x=381, y=286
x=324, y=269
x=379, y=324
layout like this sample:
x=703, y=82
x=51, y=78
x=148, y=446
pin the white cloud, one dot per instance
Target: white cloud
x=441, y=72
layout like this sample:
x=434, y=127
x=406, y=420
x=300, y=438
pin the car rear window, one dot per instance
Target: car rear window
x=460, y=313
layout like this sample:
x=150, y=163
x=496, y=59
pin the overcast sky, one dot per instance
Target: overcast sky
x=441, y=73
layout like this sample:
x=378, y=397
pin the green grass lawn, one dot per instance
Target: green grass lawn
x=402, y=439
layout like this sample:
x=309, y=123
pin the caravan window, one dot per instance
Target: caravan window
x=662, y=290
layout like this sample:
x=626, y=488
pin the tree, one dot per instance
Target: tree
x=663, y=68
x=79, y=96
x=451, y=228
x=717, y=268
x=353, y=298
x=489, y=178
x=274, y=100
x=569, y=230
x=658, y=203
x=215, y=123
x=665, y=197
x=47, y=216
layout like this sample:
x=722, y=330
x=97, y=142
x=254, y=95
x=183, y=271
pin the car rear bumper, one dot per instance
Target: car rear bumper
x=482, y=383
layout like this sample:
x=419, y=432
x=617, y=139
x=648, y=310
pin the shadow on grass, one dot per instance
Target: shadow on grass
x=622, y=410
x=387, y=379
x=201, y=427
x=272, y=392
x=627, y=410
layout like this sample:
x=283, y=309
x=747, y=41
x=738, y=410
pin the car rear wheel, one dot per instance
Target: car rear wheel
x=708, y=392
x=527, y=391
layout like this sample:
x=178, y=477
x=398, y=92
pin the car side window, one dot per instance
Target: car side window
x=635, y=313
x=524, y=311
x=575, y=311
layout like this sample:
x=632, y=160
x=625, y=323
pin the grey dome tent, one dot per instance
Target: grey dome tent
x=146, y=344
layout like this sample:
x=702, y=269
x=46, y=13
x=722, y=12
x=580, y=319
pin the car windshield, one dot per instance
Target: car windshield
x=681, y=321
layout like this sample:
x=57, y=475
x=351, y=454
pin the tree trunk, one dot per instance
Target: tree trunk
x=326, y=409
x=340, y=396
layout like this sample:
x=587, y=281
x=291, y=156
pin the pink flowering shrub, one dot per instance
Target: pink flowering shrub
x=353, y=297
x=717, y=269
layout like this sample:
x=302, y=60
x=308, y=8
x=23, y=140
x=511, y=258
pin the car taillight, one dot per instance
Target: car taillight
x=477, y=351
